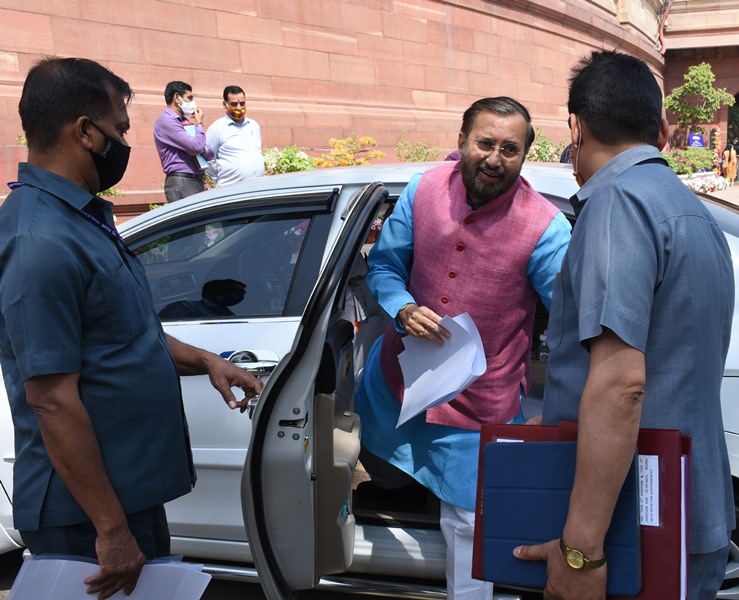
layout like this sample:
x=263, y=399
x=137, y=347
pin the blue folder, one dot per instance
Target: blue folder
x=525, y=498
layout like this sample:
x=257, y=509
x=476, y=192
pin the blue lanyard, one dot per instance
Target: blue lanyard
x=112, y=232
x=109, y=231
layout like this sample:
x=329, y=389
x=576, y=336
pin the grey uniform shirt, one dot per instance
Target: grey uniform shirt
x=74, y=300
x=649, y=262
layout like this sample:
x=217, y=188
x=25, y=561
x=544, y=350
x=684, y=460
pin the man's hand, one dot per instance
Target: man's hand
x=72, y=446
x=225, y=375
x=422, y=322
x=195, y=118
x=120, y=561
x=564, y=582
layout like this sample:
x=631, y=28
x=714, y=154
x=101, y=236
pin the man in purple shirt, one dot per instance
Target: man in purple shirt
x=179, y=136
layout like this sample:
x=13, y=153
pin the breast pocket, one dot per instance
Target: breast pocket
x=123, y=308
x=497, y=265
x=504, y=281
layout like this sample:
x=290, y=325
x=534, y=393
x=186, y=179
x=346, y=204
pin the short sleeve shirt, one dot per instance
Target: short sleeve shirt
x=237, y=148
x=648, y=261
x=73, y=300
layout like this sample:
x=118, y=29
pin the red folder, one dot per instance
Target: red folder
x=664, y=547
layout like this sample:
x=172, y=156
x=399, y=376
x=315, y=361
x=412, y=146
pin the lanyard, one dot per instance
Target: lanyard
x=111, y=232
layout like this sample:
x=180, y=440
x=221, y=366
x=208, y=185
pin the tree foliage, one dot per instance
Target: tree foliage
x=697, y=100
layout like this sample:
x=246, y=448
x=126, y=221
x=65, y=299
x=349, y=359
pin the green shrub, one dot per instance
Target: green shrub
x=543, y=149
x=418, y=152
x=689, y=160
x=112, y=192
x=287, y=160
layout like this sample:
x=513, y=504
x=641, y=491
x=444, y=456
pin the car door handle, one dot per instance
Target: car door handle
x=251, y=362
x=259, y=367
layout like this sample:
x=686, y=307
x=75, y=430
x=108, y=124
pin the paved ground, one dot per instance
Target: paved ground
x=732, y=194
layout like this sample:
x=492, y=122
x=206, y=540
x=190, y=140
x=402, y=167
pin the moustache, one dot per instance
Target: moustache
x=497, y=172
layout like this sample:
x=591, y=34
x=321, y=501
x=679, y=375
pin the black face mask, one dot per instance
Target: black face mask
x=111, y=163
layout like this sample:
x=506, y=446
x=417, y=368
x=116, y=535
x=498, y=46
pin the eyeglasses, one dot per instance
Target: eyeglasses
x=507, y=151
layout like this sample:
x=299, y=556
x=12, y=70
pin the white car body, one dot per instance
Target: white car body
x=301, y=447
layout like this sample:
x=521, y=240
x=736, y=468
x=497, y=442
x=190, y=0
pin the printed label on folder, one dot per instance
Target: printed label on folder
x=649, y=490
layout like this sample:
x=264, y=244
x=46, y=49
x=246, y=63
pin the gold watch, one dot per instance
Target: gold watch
x=577, y=560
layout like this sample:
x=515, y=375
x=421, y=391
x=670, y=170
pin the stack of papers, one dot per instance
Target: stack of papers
x=43, y=578
x=436, y=374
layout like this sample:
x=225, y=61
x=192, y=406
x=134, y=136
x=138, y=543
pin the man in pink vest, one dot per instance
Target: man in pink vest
x=467, y=236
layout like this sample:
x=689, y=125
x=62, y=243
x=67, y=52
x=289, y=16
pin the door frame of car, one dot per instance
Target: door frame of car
x=298, y=439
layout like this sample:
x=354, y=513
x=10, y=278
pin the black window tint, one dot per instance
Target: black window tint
x=240, y=267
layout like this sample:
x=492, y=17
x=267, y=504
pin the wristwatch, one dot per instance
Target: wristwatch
x=577, y=560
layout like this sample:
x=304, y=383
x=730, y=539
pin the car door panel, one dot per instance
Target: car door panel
x=296, y=490
x=218, y=435
x=261, y=247
x=336, y=462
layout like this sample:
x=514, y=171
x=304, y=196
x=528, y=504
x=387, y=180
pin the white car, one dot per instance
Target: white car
x=285, y=475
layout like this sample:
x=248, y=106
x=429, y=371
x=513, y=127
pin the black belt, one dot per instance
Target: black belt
x=198, y=176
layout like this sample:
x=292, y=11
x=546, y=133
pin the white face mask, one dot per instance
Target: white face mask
x=188, y=108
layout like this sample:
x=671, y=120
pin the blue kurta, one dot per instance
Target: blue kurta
x=442, y=458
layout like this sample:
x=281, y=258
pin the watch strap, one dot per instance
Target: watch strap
x=577, y=560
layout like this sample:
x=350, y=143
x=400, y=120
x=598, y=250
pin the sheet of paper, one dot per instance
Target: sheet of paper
x=63, y=579
x=435, y=374
x=202, y=163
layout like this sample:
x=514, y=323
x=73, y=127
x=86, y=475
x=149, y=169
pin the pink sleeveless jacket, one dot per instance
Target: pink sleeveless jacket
x=475, y=261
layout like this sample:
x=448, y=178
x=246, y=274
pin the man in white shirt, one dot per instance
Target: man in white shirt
x=236, y=141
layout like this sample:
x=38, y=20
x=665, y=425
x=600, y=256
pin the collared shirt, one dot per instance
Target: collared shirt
x=74, y=300
x=177, y=147
x=237, y=148
x=648, y=261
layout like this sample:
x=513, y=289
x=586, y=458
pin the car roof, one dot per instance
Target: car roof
x=552, y=179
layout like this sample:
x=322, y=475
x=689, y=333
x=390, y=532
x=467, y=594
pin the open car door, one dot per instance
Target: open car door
x=296, y=486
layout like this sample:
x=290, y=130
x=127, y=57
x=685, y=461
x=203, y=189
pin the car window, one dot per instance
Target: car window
x=225, y=268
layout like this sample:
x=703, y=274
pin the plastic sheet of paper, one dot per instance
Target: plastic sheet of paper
x=63, y=579
x=436, y=374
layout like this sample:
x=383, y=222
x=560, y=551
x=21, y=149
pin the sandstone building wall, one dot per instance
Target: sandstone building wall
x=316, y=69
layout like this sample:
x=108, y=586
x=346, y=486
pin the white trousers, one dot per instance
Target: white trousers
x=457, y=527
